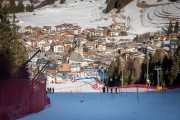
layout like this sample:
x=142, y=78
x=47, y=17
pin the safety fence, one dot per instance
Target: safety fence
x=142, y=88
x=19, y=98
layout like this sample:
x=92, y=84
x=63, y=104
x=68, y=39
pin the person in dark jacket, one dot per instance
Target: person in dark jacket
x=53, y=90
x=50, y=89
x=116, y=90
x=103, y=89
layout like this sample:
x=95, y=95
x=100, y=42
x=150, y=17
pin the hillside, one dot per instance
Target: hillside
x=91, y=13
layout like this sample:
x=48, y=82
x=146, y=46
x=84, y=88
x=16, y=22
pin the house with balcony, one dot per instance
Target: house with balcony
x=89, y=32
x=46, y=47
x=58, y=48
x=47, y=29
x=63, y=27
x=28, y=29
x=91, y=45
x=101, y=46
x=113, y=32
x=98, y=33
x=118, y=26
x=67, y=45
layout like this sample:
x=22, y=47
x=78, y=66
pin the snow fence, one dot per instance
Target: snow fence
x=19, y=98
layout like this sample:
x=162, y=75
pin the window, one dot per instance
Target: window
x=60, y=49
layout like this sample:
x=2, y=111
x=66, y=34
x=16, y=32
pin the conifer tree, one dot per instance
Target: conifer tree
x=12, y=3
x=116, y=4
x=131, y=71
x=143, y=69
x=27, y=8
x=11, y=50
x=158, y=57
x=32, y=7
x=62, y=1
x=111, y=70
x=176, y=27
x=175, y=67
x=118, y=70
x=170, y=28
x=20, y=6
x=107, y=1
x=137, y=68
x=12, y=7
x=31, y=1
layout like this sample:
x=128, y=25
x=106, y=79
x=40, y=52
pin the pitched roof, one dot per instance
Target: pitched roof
x=90, y=43
x=132, y=44
x=41, y=61
x=113, y=30
x=51, y=66
x=47, y=27
x=76, y=57
x=85, y=49
x=28, y=27
x=64, y=68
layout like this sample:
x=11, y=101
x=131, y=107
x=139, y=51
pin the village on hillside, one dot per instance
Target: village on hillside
x=74, y=53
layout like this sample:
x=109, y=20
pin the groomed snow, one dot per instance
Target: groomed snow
x=163, y=105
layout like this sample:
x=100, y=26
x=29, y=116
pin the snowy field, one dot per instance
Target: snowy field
x=90, y=14
x=83, y=13
x=85, y=85
x=163, y=105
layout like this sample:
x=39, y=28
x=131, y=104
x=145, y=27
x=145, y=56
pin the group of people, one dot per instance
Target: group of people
x=106, y=89
x=50, y=90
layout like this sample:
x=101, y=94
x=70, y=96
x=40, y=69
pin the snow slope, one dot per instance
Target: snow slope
x=162, y=105
x=90, y=13
x=84, y=13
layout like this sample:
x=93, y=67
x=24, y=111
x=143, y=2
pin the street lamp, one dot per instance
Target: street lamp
x=147, y=74
x=158, y=68
x=122, y=77
x=102, y=70
x=116, y=80
x=102, y=74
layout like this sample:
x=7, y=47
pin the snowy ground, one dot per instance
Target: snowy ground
x=106, y=106
x=84, y=13
x=91, y=13
x=85, y=85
